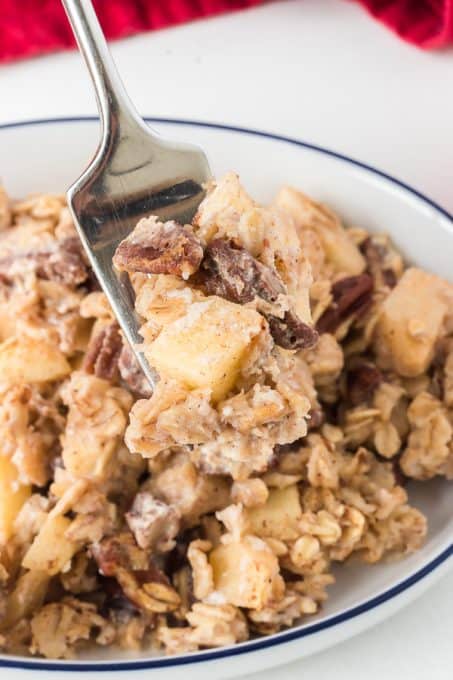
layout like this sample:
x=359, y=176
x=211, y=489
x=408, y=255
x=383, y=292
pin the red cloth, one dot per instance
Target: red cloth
x=31, y=27
x=426, y=23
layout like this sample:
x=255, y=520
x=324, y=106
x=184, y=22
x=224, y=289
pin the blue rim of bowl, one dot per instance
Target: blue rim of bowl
x=295, y=634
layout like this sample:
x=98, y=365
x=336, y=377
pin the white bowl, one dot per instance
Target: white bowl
x=48, y=155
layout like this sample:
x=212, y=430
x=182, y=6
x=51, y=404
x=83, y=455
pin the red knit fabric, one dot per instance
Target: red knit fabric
x=425, y=23
x=32, y=27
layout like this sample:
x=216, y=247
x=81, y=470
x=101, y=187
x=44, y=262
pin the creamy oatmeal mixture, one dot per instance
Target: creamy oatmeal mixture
x=305, y=376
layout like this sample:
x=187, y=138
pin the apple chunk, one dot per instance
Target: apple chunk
x=51, y=551
x=246, y=573
x=411, y=322
x=206, y=347
x=340, y=249
x=12, y=497
x=279, y=516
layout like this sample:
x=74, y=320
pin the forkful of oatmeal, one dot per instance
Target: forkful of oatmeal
x=138, y=205
x=225, y=282
x=225, y=306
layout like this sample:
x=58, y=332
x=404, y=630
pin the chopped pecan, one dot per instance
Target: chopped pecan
x=351, y=296
x=292, y=333
x=231, y=272
x=142, y=582
x=373, y=250
x=132, y=374
x=64, y=265
x=375, y=255
x=119, y=551
x=103, y=353
x=153, y=523
x=362, y=381
x=160, y=248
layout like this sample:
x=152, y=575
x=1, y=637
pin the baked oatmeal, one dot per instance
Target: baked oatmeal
x=301, y=384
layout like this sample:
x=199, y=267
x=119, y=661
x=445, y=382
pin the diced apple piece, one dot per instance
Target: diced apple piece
x=206, y=347
x=246, y=573
x=12, y=497
x=279, y=516
x=411, y=322
x=341, y=251
x=28, y=360
x=51, y=551
x=339, y=248
x=27, y=596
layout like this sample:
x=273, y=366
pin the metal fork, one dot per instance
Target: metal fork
x=134, y=173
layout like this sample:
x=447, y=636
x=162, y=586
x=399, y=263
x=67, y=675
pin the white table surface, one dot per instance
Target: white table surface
x=323, y=71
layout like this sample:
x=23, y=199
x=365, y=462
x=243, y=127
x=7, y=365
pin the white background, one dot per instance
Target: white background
x=323, y=71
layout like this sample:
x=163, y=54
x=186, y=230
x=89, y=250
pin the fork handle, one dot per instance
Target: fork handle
x=115, y=108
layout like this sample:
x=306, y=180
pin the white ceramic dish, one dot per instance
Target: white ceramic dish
x=49, y=155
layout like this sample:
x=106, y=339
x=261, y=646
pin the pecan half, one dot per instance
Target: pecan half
x=361, y=382
x=351, y=296
x=159, y=248
x=142, y=582
x=230, y=271
x=103, y=353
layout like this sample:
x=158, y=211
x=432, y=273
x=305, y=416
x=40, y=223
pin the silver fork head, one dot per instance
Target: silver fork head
x=134, y=174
